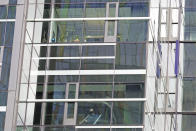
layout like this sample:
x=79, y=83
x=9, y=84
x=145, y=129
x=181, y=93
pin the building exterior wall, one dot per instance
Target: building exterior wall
x=97, y=65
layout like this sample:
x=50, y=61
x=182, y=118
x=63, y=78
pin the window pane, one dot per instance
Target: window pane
x=130, y=56
x=93, y=113
x=3, y=98
x=56, y=91
x=189, y=60
x=129, y=90
x=2, y=120
x=129, y=78
x=67, y=51
x=37, y=111
x=95, y=90
x=69, y=10
x=128, y=113
x=96, y=78
x=112, y=10
x=62, y=79
x=189, y=94
x=3, y=11
x=9, y=33
x=87, y=64
x=2, y=32
x=11, y=12
x=64, y=64
x=188, y=122
x=43, y=11
x=137, y=9
x=67, y=31
x=95, y=9
x=70, y=110
x=54, y=113
x=94, y=31
x=111, y=26
x=98, y=50
x=132, y=31
x=72, y=91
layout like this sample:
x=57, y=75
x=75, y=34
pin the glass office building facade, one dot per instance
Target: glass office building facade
x=97, y=65
x=79, y=66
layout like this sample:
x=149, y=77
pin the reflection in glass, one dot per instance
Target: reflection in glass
x=93, y=113
x=62, y=79
x=95, y=90
x=129, y=78
x=189, y=60
x=111, y=26
x=37, y=111
x=2, y=120
x=96, y=78
x=128, y=113
x=64, y=51
x=56, y=91
x=94, y=31
x=69, y=10
x=54, y=113
x=138, y=9
x=67, y=31
x=9, y=33
x=61, y=64
x=92, y=64
x=112, y=10
x=189, y=94
x=130, y=56
x=2, y=32
x=70, y=110
x=3, y=11
x=3, y=98
x=11, y=12
x=95, y=10
x=72, y=91
x=123, y=90
x=132, y=31
x=188, y=122
x=98, y=50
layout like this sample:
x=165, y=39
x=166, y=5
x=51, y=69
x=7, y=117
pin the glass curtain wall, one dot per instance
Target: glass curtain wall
x=189, y=76
x=70, y=66
x=7, y=18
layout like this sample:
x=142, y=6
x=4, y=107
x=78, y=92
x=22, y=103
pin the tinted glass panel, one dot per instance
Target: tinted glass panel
x=2, y=120
x=128, y=113
x=11, y=12
x=54, y=113
x=56, y=91
x=9, y=33
x=137, y=9
x=98, y=51
x=3, y=11
x=95, y=9
x=3, y=98
x=189, y=60
x=94, y=31
x=130, y=56
x=61, y=51
x=64, y=64
x=97, y=64
x=129, y=90
x=69, y=10
x=132, y=31
x=70, y=31
x=62, y=79
x=188, y=122
x=95, y=91
x=129, y=78
x=189, y=94
x=2, y=32
x=93, y=113
x=96, y=78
